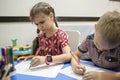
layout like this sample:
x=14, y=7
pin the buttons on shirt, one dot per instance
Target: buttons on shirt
x=99, y=59
x=111, y=59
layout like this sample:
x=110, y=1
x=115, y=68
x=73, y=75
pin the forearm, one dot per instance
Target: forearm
x=73, y=61
x=75, y=58
x=66, y=57
x=109, y=76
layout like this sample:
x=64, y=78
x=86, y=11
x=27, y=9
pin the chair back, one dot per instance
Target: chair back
x=74, y=39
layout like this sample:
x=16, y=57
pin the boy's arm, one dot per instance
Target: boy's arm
x=75, y=62
x=101, y=75
x=77, y=55
x=110, y=76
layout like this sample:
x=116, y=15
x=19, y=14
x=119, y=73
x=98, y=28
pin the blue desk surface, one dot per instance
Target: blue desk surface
x=60, y=76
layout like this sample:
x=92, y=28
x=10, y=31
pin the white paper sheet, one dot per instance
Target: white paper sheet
x=68, y=71
x=42, y=70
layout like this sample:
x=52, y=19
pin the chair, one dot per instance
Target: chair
x=74, y=39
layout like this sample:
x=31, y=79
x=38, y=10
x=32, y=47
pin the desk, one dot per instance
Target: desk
x=59, y=76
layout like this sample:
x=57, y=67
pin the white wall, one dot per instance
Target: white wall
x=62, y=7
x=25, y=31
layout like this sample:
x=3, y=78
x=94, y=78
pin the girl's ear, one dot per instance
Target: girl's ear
x=51, y=16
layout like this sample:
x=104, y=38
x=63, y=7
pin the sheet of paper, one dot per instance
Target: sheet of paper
x=68, y=71
x=42, y=70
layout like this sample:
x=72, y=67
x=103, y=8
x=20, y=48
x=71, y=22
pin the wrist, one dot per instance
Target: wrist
x=48, y=59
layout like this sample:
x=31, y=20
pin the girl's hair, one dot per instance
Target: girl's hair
x=35, y=45
x=42, y=7
x=108, y=27
x=38, y=8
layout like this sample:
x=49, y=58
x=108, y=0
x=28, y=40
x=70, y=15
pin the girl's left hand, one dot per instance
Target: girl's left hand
x=37, y=60
x=92, y=75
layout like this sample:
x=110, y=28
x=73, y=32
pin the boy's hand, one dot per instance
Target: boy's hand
x=92, y=75
x=37, y=60
x=79, y=69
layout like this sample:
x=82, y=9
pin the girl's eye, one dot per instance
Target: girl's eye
x=41, y=22
x=36, y=24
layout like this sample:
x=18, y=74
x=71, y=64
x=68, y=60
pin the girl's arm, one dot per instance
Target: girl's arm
x=62, y=58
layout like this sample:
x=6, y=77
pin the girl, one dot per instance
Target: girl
x=53, y=42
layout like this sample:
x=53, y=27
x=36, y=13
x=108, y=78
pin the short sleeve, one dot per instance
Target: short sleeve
x=63, y=39
x=83, y=46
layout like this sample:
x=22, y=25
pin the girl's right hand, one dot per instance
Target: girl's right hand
x=25, y=58
x=79, y=69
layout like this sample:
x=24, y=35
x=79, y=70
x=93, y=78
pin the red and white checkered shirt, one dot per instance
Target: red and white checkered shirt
x=52, y=45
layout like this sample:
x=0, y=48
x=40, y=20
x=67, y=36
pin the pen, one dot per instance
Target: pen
x=77, y=61
x=4, y=53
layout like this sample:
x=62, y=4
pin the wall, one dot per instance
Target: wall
x=62, y=7
x=25, y=31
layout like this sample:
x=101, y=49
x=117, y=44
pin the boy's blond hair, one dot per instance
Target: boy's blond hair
x=108, y=27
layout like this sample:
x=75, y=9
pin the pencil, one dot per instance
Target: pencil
x=77, y=61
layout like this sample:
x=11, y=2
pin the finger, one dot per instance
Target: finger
x=20, y=58
x=81, y=68
x=87, y=76
x=79, y=71
x=27, y=58
x=34, y=62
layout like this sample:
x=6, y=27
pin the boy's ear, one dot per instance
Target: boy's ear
x=95, y=27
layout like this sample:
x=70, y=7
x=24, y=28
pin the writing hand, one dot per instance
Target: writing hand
x=37, y=60
x=79, y=69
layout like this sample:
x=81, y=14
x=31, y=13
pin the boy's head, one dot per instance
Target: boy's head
x=107, y=31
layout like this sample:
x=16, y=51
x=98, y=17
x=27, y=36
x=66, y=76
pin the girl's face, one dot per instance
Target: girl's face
x=43, y=22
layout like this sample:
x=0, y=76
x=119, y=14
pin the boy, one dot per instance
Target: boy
x=103, y=48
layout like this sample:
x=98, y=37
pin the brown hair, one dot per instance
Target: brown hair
x=42, y=7
x=108, y=27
